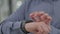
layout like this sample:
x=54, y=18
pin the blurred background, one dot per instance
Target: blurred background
x=7, y=7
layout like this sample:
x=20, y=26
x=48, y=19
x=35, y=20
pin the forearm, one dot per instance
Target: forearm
x=14, y=27
x=11, y=27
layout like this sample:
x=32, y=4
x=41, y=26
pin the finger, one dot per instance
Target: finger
x=49, y=27
x=44, y=17
x=38, y=15
x=38, y=33
x=40, y=29
x=33, y=16
x=48, y=20
x=45, y=28
x=44, y=33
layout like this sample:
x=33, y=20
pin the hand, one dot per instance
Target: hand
x=41, y=16
x=38, y=28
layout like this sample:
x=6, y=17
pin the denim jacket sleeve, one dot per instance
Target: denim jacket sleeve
x=12, y=24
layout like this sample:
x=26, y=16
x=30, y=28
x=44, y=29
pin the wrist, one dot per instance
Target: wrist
x=27, y=27
x=23, y=24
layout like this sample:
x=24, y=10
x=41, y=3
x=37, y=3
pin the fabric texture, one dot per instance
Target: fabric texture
x=11, y=25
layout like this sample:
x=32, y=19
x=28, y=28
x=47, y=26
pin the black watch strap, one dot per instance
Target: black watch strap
x=23, y=25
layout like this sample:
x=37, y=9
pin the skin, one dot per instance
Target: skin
x=38, y=28
x=40, y=17
x=41, y=24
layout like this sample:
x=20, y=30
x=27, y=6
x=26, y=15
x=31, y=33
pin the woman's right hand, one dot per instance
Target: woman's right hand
x=38, y=28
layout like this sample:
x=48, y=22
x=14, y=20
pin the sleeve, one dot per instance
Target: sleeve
x=12, y=24
x=0, y=30
x=54, y=30
x=11, y=28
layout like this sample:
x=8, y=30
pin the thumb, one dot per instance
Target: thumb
x=48, y=20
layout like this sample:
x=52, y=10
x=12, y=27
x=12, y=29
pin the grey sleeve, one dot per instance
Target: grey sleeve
x=0, y=30
x=11, y=25
x=54, y=30
x=11, y=28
